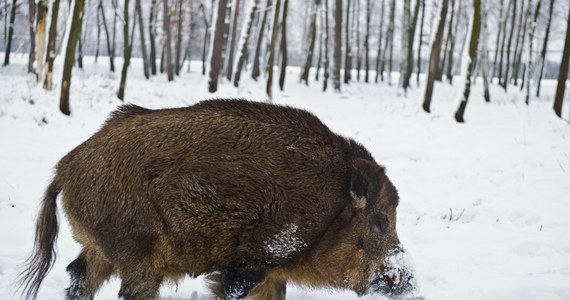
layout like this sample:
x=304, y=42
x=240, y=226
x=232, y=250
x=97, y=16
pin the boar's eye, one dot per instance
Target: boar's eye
x=379, y=223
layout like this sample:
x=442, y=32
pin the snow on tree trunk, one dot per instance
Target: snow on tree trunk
x=50, y=51
x=10, y=33
x=231, y=47
x=312, y=38
x=141, y=36
x=40, y=38
x=73, y=32
x=347, y=46
x=337, y=51
x=168, y=41
x=473, y=43
x=244, y=40
x=271, y=61
x=32, y=53
x=544, y=47
x=419, y=58
x=531, y=67
x=563, y=74
x=255, y=71
x=509, y=44
x=126, y=52
x=485, y=54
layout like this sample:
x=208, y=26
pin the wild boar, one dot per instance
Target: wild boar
x=251, y=194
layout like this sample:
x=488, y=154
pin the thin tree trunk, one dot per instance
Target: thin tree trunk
x=271, y=61
x=230, y=69
x=506, y=16
x=544, y=46
x=518, y=45
x=419, y=60
x=530, y=67
x=141, y=35
x=358, y=50
x=313, y=35
x=244, y=49
x=434, y=56
x=178, y=51
x=10, y=33
x=108, y=37
x=326, y=53
x=380, y=31
x=500, y=33
x=151, y=37
x=32, y=53
x=168, y=49
x=126, y=52
x=283, y=46
x=474, y=41
x=216, y=57
x=367, y=43
x=255, y=71
x=337, y=51
x=347, y=46
x=98, y=42
x=50, y=52
x=563, y=74
x=74, y=35
x=449, y=72
x=508, y=62
x=321, y=37
x=206, y=38
x=389, y=43
x=485, y=54
x=406, y=18
x=40, y=38
x=410, y=50
x=114, y=34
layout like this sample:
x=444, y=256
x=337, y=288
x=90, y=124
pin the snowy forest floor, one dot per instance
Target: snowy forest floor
x=484, y=207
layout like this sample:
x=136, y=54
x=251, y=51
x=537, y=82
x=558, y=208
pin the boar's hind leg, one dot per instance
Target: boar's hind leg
x=141, y=280
x=270, y=288
x=87, y=273
x=233, y=283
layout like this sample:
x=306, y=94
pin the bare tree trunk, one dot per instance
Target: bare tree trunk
x=32, y=53
x=178, y=51
x=76, y=24
x=244, y=49
x=544, y=46
x=108, y=36
x=530, y=67
x=255, y=71
x=449, y=72
x=508, y=62
x=506, y=16
x=326, y=54
x=358, y=50
x=206, y=38
x=216, y=59
x=389, y=43
x=151, y=37
x=230, y=69
x=114, y=34
x=473, y=43
x=500, y=26
x=337, y=51
x=321, y=37
x=485, y=54
x=40, y=37
x=420, y=42
x=283, y=46
x=518, y=45
x=10, y=33
x=410, y=49
x=406, y=18
x=367, y=43
x=434, y=56
x=271, y=61
x=141, y=35
x=168, y=49
x=347, y=46
x=563, y=74
x=126, y=52
x=50, y=52
x=313, y=35
x=448, y=40
x=379, y=52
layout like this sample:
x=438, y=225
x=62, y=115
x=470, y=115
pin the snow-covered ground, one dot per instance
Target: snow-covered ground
x=484, y=207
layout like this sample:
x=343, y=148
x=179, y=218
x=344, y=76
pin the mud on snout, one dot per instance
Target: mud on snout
x=396, y=278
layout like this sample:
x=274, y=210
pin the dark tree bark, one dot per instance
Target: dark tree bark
x=337, y=51
x=10, y=33
x=449, y=71
x=500, y=26
x=141, y=35
x=448, y=40
x=544, y=46
x=563, y=74
x=379, y=51
x=244, y=51
x=255, y=71
x=320, y=57
x=98, y=42
x=230, y=69
x=509, y=44
x=473, y=43
x=485, y=54
x=389, y=43
x=126, y=52
x=410, y=50
x=283, y=68
x=367, y=44
x=151, y=37
x=206, y=38
x=108, y=37
x=406, y=20
x=347, y=46
x=32, y=53
x=506, y=16
x=40, y=37
x=530, y=68
x=420, y=42
x=216, y=59
x=168, y=49
x=50, y=51
x=313, y=35
x=114, y=34
x=76, y=24
x=271, y=61
x=358, y=50
x=518, y=44
x=178, y=51
x=434, y=56
x=326, y=53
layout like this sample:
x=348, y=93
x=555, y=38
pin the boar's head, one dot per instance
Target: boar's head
x=361, y=250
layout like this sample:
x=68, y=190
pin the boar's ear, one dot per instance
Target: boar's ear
x=364, y=182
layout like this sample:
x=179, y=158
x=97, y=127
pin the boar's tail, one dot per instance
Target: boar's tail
x=43, y=257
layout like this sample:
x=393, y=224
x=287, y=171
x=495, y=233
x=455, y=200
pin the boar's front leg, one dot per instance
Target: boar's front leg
x=233, y=283
x=271, y=287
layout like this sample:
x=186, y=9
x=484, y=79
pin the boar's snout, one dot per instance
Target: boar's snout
x=396, y=277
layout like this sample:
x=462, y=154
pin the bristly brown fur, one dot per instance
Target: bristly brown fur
x=256, y=195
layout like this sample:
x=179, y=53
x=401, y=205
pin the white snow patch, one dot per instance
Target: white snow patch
x=285, y=243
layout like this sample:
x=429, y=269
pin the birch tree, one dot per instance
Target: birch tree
x=50, y=51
